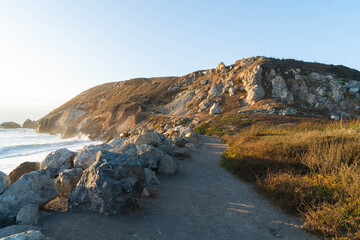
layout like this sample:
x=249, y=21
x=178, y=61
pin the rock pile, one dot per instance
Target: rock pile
x=108, y=178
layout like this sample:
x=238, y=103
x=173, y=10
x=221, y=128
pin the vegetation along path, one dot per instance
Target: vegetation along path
x=202, y=201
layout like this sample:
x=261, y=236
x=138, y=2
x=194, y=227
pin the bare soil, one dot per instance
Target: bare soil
x=201, y=201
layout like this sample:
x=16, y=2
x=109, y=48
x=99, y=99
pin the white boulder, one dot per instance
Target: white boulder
x=215, y=109
x=280, y=89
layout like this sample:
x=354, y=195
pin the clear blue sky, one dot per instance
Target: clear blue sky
x=52, y=50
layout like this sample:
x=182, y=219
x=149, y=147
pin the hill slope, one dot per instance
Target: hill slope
x=251, y=85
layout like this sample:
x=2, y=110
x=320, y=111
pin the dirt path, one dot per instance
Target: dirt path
x=202, y=201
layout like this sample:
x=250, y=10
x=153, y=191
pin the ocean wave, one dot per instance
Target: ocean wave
x=20, y=145
x=31, y=149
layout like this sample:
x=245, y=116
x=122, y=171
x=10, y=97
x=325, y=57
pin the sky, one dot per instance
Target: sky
x=50, y=51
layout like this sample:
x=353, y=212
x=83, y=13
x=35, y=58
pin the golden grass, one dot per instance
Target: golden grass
x=310, y=169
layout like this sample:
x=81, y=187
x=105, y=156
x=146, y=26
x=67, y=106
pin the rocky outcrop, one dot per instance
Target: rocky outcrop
x=9, y=125
x=251, y=79
x=22, y=169
x=113, y=108
x=30, y=124
x=33, y=188
x=280, y=89
x=221, y=67
x=67, y=180
x=4, y=182
x=112, y=184
x=167, y=165
x=28, y=215
x=58, y=161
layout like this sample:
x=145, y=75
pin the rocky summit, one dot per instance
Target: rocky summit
x=257, y=84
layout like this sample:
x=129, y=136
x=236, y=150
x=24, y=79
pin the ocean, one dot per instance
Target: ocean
x=23, y=144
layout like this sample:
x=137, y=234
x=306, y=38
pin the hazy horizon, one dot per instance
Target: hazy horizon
x=52, y=51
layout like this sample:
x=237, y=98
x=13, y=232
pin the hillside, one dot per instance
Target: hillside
x=256, y=85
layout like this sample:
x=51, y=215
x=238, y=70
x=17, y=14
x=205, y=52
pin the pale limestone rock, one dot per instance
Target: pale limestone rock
x=251, y=79
x=215, y=109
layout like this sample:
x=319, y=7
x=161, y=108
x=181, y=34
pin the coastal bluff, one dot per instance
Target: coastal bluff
x=280, y=87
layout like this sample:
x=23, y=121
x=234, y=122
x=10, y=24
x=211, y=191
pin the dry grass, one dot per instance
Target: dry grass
x=310, y=169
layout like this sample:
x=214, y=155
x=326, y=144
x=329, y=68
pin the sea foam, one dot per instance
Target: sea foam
x=21, y=145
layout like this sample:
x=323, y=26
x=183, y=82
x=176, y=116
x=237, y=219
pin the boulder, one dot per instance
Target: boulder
x=29, y=235
x=87, y=155
x=181, y=152
x=150, y=155
x=231, y=91
x=215, y=90
x=205, y=104
x=215, y=109
x=4, y=182
x=321, y=92
x=280, y=89
x=190, y=145
x=127, y=149
x=58, y=161
x=30, y=124
x=178, y=141
x=168, y=146
x=150, y=177
x=28, y=215
x=15, y=229
x=112, y=184
x=354, y=90
x=334, y=117
x=167, y=165
x=145, y=193
x=22, y=169
x=188, y=132
x=310, y=99
x=9, y=125
x=67, y=180
x=32, y=188
x=150, y=138
x=117, y=142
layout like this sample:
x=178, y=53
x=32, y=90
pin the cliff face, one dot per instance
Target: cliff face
x=258, y=84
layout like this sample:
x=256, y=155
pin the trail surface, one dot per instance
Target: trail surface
x=202, y=201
